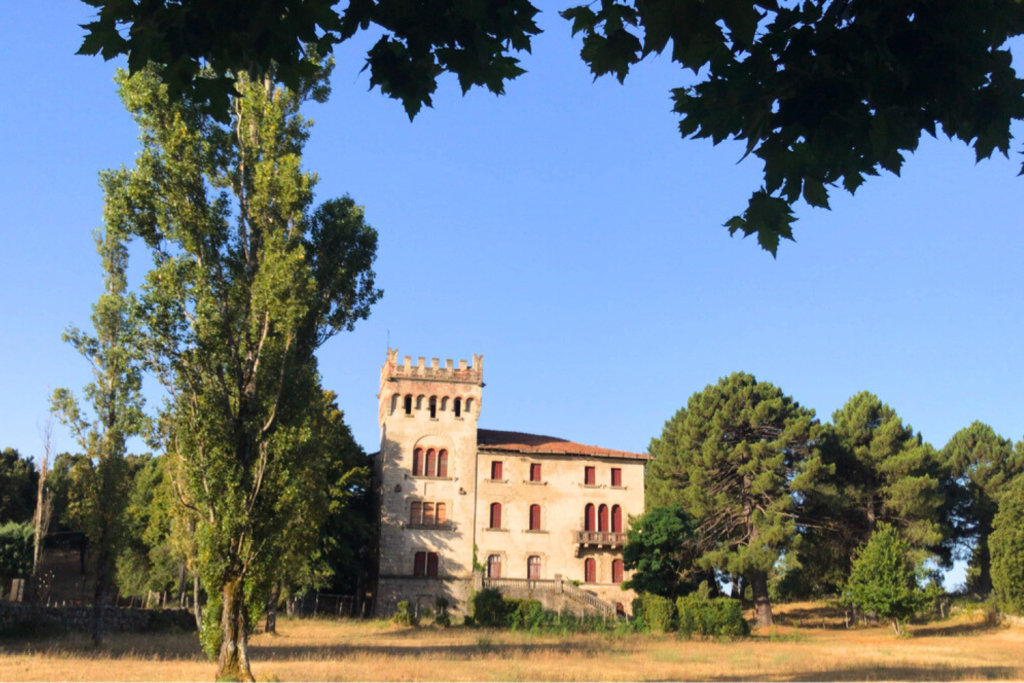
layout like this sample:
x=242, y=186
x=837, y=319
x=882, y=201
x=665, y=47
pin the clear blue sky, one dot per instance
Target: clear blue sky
x=566, y=232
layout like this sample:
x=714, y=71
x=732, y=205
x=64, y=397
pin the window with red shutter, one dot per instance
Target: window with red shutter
x=602, y=518
x=616, y=571
x=590, y=570
x=429, y=470
x=616, y=476
x=589, y=519
x=442, y=463
x=431, y=564
x=496, y=470
x=535, y=472
x=416, y=514
x=419, y=564
x=535, y=518
x=590, y=476
x=428, y=514
x=494, y=567
x=533, y=568
x=417, y=462
x=616, y=519
x=495, y=515
x=442, y=514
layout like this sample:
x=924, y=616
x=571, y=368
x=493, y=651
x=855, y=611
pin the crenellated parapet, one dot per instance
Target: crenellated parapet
x=449, y=372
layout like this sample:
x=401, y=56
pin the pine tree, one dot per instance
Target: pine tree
x=1006, y=545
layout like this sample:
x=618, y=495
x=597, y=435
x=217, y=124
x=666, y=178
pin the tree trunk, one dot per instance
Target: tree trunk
x=275, y=596
x=896, y=627
x=233, y=661
x=196, y=610
x=99, y=599
x=762, y=603
x=181, y=584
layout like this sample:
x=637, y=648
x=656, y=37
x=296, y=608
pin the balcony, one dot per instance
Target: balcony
x=599, y=539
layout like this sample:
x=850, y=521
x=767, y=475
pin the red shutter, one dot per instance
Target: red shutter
x=494, y=567
x=495, y=515
x=602, y=518
x=442, y=464
x=535, y=472
x=534, y=517
x=431, y=564
x=533, y=568
x=417, y=462
x=442, y=513
x=419, y=565
x=496, y=470
x=428, y=514
x=590, y=476
x=616, y=571
x=616, y=476
x=616, y=519
x=416, y=514
x=430, y=470
x=588, y=518
x=590, y=570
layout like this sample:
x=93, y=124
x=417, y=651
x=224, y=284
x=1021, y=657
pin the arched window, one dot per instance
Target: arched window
x=433, y=407
x=533, y=567
x=590, y=570
x=394, y=402
x=442, y=513
x=589, y=521
x=616, y=571
x=419, y=565
x=442, y=463
x=417, y=462
x=616, y=519
x=430, y=470
x=602, y=515
x=419, y=403
x=444, y=403
x=535, y=518
x=469, y=405
x=408, y=404
x=458, y=407
x=493, y=567
x=428, y=514
x=495, y=515
x=416, y=513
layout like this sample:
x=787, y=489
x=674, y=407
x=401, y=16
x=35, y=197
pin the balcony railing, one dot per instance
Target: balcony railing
x=609, y=538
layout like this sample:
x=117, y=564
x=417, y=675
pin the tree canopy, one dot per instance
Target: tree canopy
x=661, y=551
x=1006, y=545
x=18, y=477
x=823, y=92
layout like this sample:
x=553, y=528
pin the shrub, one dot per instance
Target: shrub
x=1006, y=546
x=404, y=616
x=16, y=546
x=705, y=616
x=443, y=618
x=658, y=613
x=489, y=608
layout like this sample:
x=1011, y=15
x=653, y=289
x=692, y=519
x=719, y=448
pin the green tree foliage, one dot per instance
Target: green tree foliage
x=698, y=614
x=733, y=458
x=248, y=281
x=886, y=579
x=18, y=480
x=116, y=402
x=15, y=550
x=823, y=92
x=661, y=550
x=981, y=465
x=1006, y=546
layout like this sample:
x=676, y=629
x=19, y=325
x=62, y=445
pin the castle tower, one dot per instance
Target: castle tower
x=427, y=477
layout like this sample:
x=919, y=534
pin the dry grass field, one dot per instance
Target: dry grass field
x=813, y=645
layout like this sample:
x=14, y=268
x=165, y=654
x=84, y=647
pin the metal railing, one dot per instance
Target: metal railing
x=588, y=598
x=601, y=537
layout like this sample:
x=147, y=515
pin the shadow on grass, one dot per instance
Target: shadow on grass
x=909, y=673
x=821, y=616
x=452, y=652
x=968, y=629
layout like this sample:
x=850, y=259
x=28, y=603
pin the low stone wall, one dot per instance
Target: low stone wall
x=16, y=618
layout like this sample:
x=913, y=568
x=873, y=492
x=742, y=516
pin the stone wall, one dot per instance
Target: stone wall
x=17, y=618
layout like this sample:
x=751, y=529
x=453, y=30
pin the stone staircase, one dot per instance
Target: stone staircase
x=555, y=594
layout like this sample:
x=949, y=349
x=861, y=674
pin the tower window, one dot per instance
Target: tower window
x=430, y=470
x=416, y=514
x=428, y=514
x=442, y=513
x=496, y=470
x=417, y=462
x=419, y=565
x=442, y=463
x=602, y=518
x=458, y=407
x=617, y=476
x=589, y=518
x=495, y=515
x=431, y=564
x=408, y=404
x=535, y=472
x=433, y=407
x=535, y=518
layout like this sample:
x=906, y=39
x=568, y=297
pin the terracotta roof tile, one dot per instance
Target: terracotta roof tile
x=518, y=442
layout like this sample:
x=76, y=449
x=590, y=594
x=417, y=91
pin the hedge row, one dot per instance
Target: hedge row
x=693, y=614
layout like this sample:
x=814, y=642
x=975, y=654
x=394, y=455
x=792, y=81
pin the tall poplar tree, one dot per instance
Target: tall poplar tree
x=733, y=459
x=248, y=281
x=982, y=464
x=117, y=412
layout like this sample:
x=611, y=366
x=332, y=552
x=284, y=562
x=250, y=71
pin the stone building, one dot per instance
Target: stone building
x=537, y=516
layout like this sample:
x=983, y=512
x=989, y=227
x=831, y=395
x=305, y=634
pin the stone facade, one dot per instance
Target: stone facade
x=534, y=512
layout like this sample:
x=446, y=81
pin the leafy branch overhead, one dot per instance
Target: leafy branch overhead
x=824, y=92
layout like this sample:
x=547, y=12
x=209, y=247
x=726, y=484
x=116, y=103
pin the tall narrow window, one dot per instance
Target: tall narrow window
x=616, y=571
x=417, y=462
x=458, y=407
x=442, y=513
x=493, y=567
x=469, y=405
x=429, y=470
x=617, y=476
x=589, y=518
x=431, y=564
x=433, y=407
x=535, y=518
x=602, y=518
x=590, y=476
x=442, y=463
x=616, y=519
x=419, y=566
x=495, y=515
x=416, y=514
x=496, y=470
x=533, y=567
x=428, y=514
x=408, y=404
x=590, y=570
x=535, y=472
